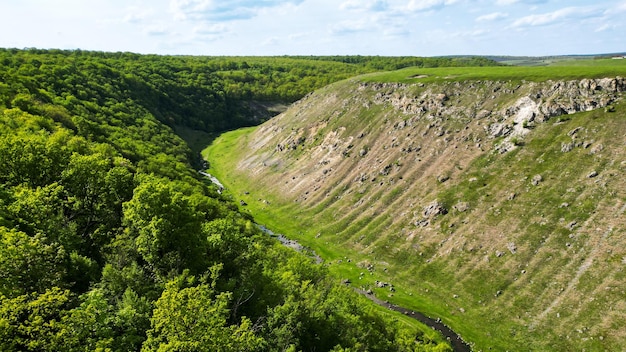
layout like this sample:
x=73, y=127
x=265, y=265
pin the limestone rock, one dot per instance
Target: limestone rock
x=461, y=207
x=434, y=208
x=567, y=147
x=536, y=180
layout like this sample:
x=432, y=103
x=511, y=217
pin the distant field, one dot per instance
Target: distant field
x=564, y=70
x=550, y=60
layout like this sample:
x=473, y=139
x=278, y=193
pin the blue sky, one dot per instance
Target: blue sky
x=318, y=27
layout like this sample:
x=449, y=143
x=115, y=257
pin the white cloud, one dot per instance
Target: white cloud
x=605, y=27
x=349, y=26
x=156, y=30
x=565, y=14
x=427, y=5
x=620, y=7
x=492, y=16
x=511, y=2
x=135, y=15
x=222, y=10
x=364, y=5
x=210, y=29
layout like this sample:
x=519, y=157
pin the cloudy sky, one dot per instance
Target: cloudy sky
x=318, y=27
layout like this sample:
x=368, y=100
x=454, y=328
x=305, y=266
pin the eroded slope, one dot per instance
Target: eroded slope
x=501, y=203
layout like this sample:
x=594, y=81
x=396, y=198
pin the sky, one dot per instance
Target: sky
x=318, y=27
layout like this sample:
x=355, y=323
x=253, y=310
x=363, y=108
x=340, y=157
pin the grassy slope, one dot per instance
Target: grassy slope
x=462, y=286
x=220, y=154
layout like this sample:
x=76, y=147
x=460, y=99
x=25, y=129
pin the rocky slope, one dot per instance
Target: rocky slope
x=501, y=203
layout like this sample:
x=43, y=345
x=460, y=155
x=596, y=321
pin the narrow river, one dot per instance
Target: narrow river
x=457, y=343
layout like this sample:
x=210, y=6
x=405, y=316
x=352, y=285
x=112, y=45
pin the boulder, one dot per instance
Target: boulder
x=461, y=207
x=434, y=208
x=536, y=180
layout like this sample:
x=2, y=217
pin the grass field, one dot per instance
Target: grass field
x=563, y=70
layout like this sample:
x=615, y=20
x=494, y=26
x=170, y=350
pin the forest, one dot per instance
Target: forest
x=111, y=241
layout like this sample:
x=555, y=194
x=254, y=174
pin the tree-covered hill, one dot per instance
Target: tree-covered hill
x=110, y=241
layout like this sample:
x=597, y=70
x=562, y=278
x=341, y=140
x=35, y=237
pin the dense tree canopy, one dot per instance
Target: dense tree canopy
x=109, y=240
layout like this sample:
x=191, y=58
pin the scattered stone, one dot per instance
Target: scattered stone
x=567, y=147
x=461, y=207
x=434, y=208
x=346, y=281
x=243, y=204
x=572, y=224
x=512, y=247
x=592, y=174
x=499, y=254
x=586, y=144
x=482, y=114
x=443, y=178
x=385, y=170
x=564, y=205
x=511, y=196
x=536, y=180
x=362, y=152
x=499, y=130
x=574, y=131
x=597, y=149
x=505, y=146
x=422, y=222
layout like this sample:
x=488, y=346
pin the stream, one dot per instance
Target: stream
x=457, y=343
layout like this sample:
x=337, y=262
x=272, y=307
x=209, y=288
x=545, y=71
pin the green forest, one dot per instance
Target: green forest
x=111, y=241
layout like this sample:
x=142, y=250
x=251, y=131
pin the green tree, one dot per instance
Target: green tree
x=31, y=322
x=193, y=317
x=28, y=264
x=165, y=227
x=97, y=324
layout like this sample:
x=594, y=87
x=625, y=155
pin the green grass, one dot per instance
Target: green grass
x=563, y=71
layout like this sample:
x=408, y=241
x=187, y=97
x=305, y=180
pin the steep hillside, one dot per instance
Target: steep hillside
x=497, y=205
